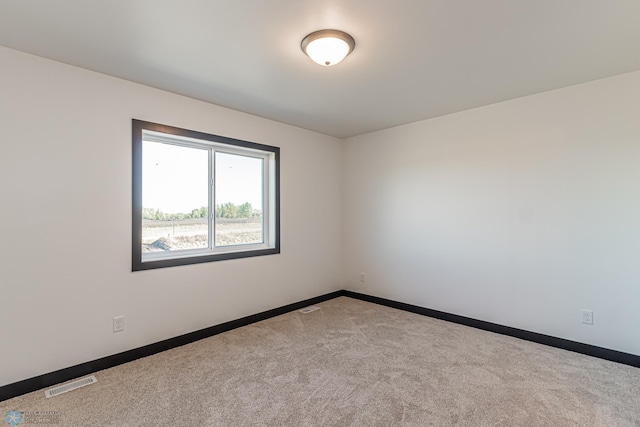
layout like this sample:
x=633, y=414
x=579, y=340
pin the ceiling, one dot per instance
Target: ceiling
x=414, y=59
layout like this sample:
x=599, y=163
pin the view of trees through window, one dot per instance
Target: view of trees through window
x=175, y=215
x=235, y=224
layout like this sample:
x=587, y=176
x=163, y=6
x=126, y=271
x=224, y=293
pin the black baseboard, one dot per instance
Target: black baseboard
x=589, y=350
x=36, y=383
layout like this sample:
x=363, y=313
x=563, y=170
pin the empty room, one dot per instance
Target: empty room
x=320, y=213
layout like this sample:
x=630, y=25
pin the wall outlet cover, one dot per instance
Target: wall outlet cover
x=118, y=324
x=587, y=316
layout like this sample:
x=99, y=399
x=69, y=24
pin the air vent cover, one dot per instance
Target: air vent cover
x=308, y=310
x=70, y=386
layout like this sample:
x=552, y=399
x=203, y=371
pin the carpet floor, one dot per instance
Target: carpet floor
x=351, y=363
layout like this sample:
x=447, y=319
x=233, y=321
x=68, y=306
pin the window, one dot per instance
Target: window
x=201, y=198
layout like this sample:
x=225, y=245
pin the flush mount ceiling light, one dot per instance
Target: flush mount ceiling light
x=328, y=47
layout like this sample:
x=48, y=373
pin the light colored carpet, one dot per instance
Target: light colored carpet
x=353, y=363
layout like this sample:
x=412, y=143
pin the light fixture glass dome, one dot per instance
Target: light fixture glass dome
x=328, y=47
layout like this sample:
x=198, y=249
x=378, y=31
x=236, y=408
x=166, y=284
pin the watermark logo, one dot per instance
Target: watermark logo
x=24, y=418
x=13, y=418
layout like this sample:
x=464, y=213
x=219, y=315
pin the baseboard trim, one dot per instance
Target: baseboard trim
x=36, y=383
x=577, y=347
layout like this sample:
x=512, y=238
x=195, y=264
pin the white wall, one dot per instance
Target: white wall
x=65, y=220
x=520, y=213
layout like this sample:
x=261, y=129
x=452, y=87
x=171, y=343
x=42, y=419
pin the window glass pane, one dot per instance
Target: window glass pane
x=175, y=197
x=239, y=199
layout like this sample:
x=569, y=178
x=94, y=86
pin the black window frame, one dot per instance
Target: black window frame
x=138, y=126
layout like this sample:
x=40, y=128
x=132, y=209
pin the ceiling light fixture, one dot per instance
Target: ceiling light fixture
x=328, y=47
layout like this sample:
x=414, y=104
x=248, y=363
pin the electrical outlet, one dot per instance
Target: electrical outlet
x=362, y=277
x=118, y=324
x=587, y=316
